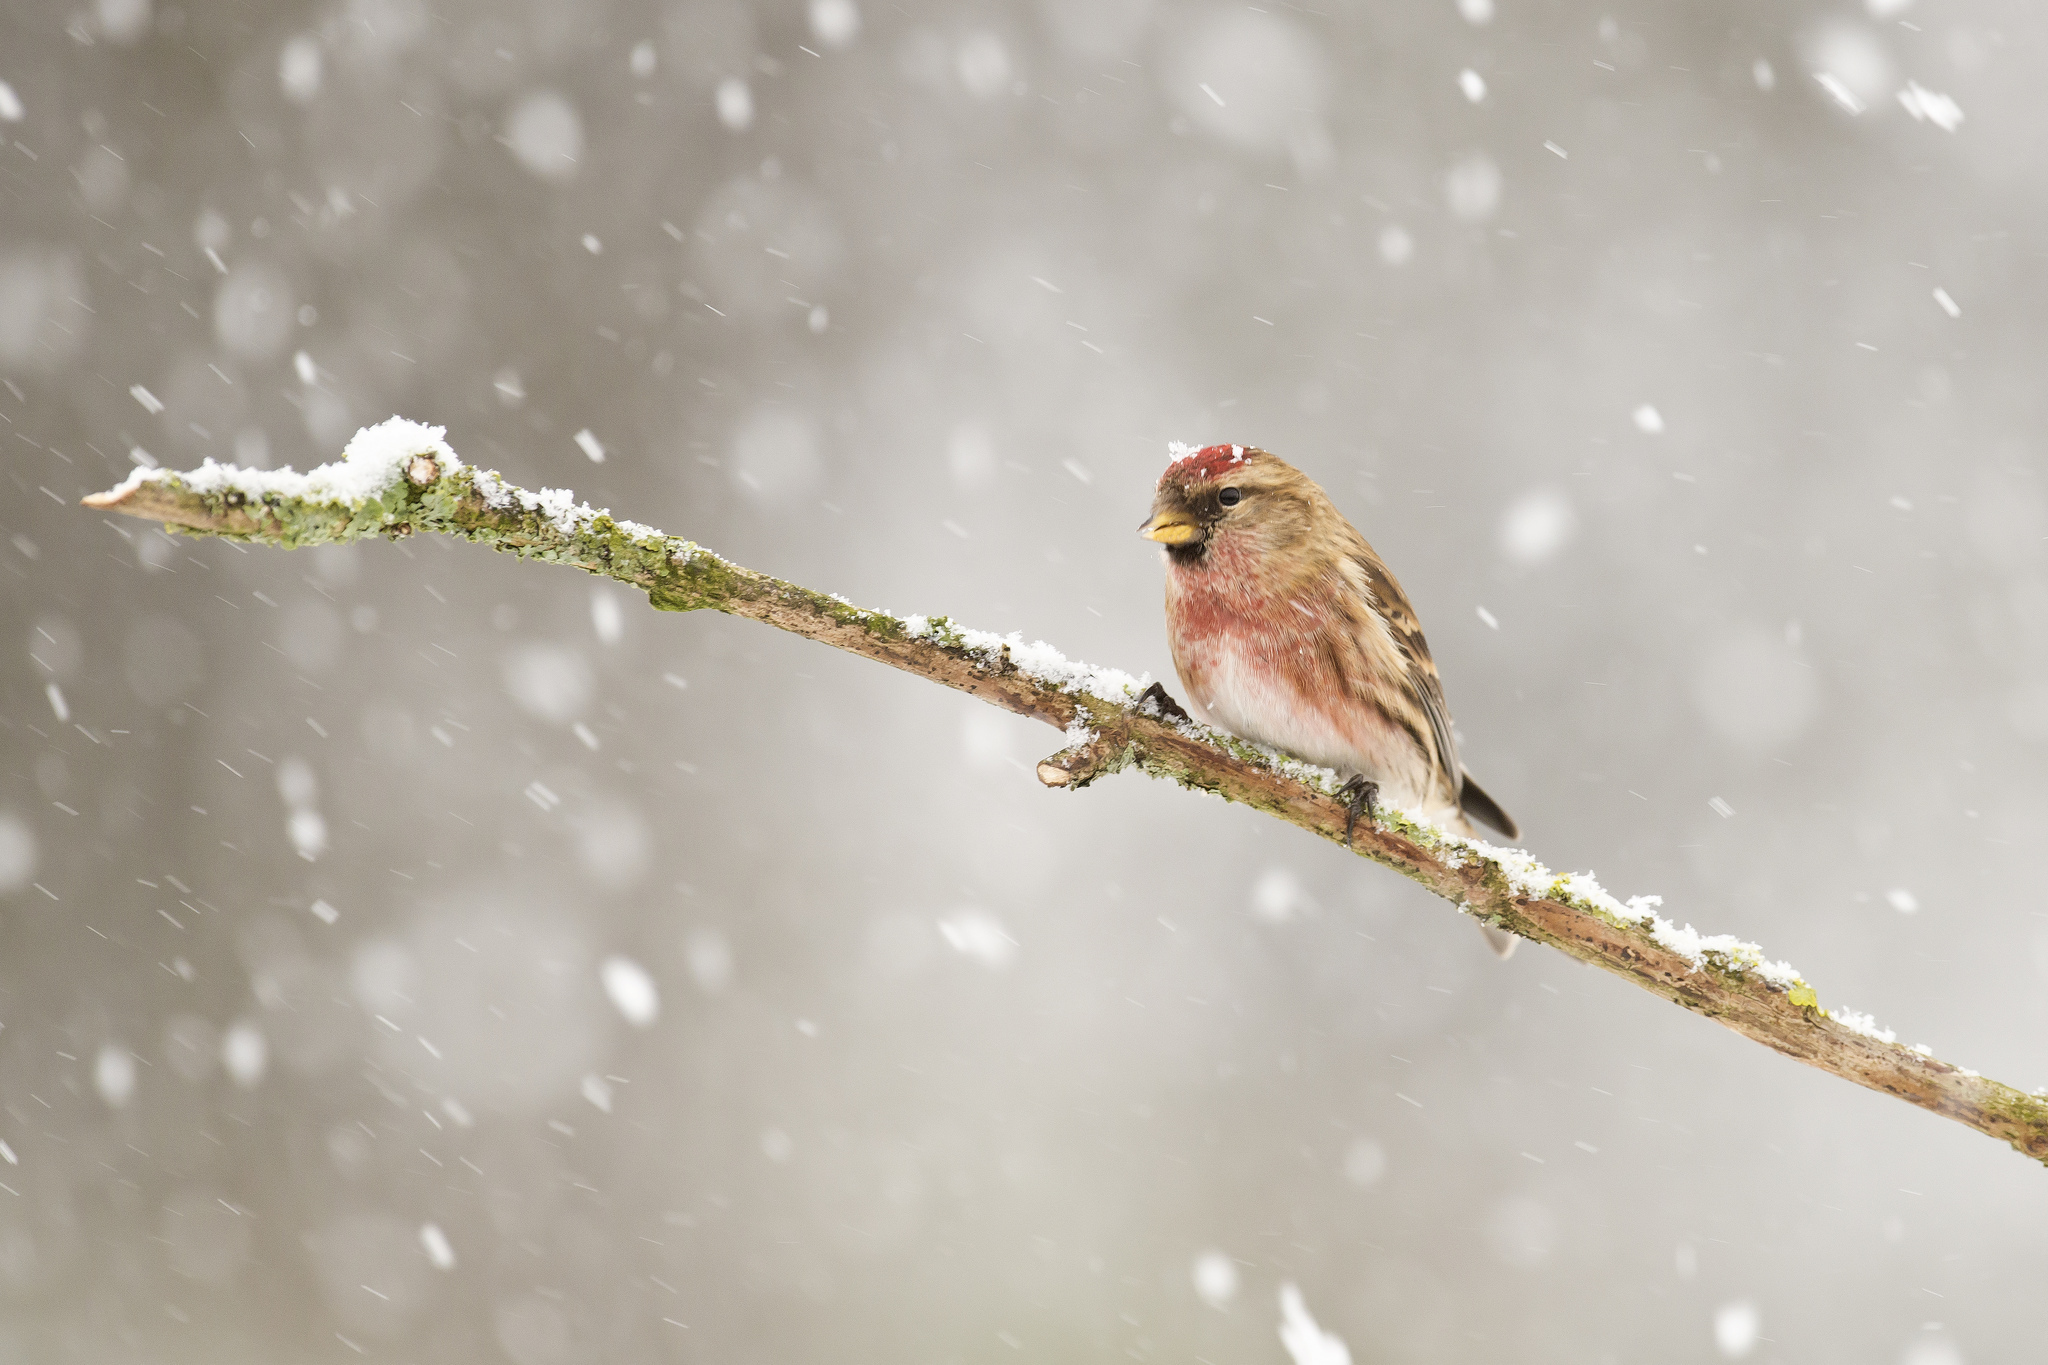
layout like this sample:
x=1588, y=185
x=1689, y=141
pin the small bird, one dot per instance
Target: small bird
x=1287, y=629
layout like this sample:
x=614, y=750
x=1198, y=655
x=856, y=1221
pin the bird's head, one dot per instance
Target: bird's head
x=1235, y=492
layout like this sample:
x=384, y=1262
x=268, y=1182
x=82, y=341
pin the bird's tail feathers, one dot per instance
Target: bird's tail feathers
x=1478, y=805
x=1500, y=940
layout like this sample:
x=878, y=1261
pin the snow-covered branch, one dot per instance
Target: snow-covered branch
x=401, y=478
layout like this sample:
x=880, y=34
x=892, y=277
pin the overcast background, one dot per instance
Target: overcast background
x=414, y=953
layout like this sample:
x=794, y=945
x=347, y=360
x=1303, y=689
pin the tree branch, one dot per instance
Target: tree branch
x=400, y=478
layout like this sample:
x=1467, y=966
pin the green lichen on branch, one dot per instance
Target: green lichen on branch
x=401, y=479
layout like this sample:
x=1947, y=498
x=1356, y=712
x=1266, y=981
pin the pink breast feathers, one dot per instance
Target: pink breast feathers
x=1264, y=669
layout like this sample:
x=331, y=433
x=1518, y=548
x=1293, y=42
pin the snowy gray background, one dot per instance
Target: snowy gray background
x=1731, y=538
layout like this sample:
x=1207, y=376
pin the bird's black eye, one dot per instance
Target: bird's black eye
x=1230, y=497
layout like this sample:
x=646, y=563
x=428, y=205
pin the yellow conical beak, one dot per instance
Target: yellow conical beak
x=1169, y=528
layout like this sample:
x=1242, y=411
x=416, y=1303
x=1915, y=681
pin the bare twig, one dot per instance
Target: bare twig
x=400, y=479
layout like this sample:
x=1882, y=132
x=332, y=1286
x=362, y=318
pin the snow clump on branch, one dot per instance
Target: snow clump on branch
x=1037, y=660
x=375, y=458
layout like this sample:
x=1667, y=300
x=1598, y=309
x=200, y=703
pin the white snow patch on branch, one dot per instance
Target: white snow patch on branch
x=558, y=505
x=374, y=459
x=1038, y=660
x=1324, y=780
x=1857, y=1022
x=561, y=508
x=1531, y=878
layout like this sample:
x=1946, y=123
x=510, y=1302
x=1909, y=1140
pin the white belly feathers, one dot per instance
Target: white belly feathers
x=1253, y=700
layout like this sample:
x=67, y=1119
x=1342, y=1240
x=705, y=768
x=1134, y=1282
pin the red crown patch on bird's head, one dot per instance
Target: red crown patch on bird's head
x=1206, y=465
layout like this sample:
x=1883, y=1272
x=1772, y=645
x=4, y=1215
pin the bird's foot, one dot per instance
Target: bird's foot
x=1361, y=795
x=1167, y=705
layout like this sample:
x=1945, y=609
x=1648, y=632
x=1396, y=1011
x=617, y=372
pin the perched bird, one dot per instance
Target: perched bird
x=1287, y=629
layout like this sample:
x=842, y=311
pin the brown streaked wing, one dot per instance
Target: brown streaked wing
x=1419, y=669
